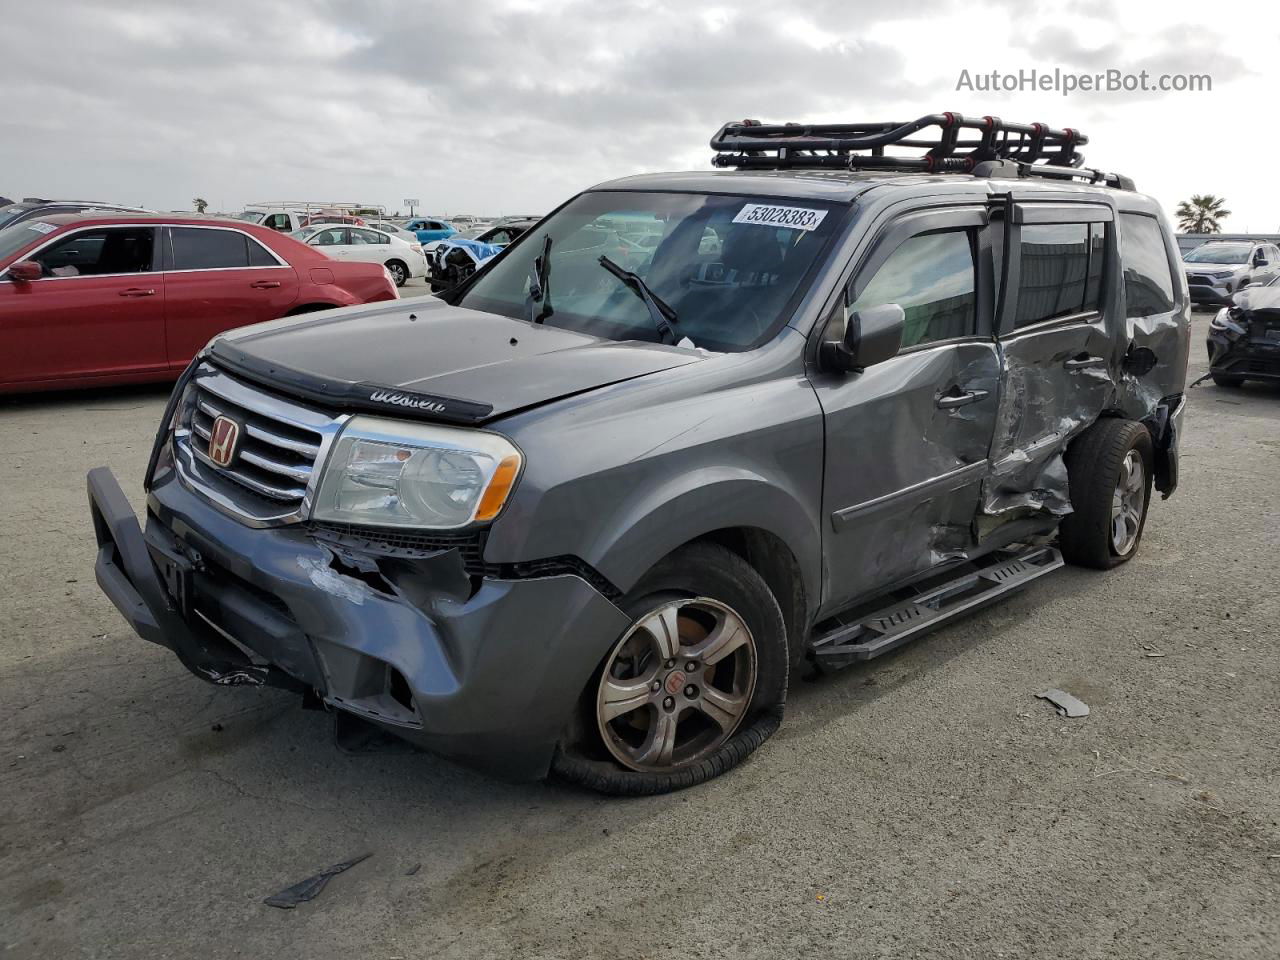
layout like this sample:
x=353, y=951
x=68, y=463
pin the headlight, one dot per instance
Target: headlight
x=392, y=473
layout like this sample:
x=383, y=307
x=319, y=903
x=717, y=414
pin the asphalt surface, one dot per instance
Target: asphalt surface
x=925, y=805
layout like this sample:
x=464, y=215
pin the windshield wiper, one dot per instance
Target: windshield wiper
x=540, y=283
x=660, y=311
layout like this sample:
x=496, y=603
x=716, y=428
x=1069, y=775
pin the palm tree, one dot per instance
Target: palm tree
x=1202, y=214
x=202, y=204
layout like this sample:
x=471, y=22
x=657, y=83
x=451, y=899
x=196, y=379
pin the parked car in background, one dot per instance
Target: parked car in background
x=88, y=299
x=346, y=218
x=402, y=259
x=396, y=230
x=284, y=221
x=428, y=229
x=33, y=208
x=1244, y=339
x=1219, y=268
x=456, y=258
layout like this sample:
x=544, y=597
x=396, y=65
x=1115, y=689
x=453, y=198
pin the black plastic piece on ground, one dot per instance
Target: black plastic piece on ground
x=310, y=888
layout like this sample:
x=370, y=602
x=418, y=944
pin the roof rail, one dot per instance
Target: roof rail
x=1000, y=149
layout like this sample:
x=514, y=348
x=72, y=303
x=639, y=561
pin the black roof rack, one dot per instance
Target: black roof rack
x=999, y=149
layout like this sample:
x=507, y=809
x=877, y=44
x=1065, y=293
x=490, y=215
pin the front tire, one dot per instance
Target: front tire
x=1109, y=471
x=1227, y=380
x=695, y=685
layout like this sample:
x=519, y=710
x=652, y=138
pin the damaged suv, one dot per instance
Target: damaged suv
x=1244, y=339
x=586, y=518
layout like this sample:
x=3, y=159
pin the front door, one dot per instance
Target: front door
x=907, y=440
x=217, y=278
x=1059, y=355
x=97, y=312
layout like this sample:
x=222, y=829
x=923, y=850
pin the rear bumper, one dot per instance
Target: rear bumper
x=484, y=671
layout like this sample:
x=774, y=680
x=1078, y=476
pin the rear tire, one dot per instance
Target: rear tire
x=1109, y=471
x=714, y=712
x=1227, y=380
x=399, y=272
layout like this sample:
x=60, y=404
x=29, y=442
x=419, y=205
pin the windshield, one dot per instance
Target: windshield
x=11, y=211
x=729, y=266
x=253, y=216
x=1219, y=253
x=13, y=239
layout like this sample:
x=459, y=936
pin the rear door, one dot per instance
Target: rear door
x=98, y=311
x=907, y=439
x=217, y=278
x=368, y=246
x=1059, y=355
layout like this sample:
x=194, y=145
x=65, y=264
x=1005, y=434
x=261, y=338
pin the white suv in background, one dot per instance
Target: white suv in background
x=402, y=259
x=1218, y=269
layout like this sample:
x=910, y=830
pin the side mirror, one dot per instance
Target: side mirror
x=26, y=271
x=870, y=336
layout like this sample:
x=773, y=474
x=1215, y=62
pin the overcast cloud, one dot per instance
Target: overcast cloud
x=512, y=106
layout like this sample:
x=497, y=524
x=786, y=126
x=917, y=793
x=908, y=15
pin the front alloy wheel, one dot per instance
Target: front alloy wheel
x=676, y=686
x=694, y=685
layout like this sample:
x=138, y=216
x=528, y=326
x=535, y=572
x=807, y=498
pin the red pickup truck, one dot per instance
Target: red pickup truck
x=129, y=298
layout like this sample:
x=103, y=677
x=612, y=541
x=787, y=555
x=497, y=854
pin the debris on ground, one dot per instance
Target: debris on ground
x=1066, y=704
x=412, y=870
x=310, y=888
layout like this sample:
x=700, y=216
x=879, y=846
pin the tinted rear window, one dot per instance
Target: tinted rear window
x=1061, y=270
x=204, y=249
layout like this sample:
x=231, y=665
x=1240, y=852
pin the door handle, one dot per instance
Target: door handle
x=1083, y=362
x=949, y=401
x=265, y=284
x=138, y=292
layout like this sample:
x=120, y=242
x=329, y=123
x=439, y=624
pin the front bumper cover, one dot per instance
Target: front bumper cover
x=1242, y=355
x=484, y=671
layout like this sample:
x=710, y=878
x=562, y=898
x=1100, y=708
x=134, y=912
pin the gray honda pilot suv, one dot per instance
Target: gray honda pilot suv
x=586, y=515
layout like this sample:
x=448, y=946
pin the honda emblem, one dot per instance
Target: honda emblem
x=223, y=439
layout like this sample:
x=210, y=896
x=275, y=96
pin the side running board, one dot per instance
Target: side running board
x=846, y=638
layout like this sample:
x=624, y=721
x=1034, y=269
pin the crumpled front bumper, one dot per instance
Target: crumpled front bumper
x=484, y=671
x=1243, y=355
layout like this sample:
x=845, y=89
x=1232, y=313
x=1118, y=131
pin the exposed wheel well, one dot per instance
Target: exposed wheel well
x=774, y=561
x=309, y=308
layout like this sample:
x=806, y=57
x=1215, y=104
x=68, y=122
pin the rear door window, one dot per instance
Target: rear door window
x=199, y=248
x=100, y=252
x=1060, y=272
x=1148, y=282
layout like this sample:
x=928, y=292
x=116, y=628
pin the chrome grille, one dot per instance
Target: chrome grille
x=273, y=475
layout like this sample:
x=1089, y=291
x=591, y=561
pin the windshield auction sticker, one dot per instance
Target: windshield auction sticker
x=793, y=218
x=39, y=227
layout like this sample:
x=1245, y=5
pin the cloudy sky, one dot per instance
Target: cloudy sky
x=511, y=106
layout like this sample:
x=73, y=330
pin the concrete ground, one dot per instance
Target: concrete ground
x=925, y=805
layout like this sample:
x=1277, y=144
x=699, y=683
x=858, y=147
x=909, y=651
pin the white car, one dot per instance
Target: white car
x=401, y=258
x=408, y=236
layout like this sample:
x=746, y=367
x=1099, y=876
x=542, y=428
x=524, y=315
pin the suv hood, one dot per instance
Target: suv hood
x=1232, y=268
x=1259, y=300
x=432, y=361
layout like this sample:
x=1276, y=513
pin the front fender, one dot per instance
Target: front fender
x=692, y=505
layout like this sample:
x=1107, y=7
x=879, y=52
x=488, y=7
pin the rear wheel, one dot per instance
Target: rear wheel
x=1109, y=474
x=691, y=688
x=399, y=272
